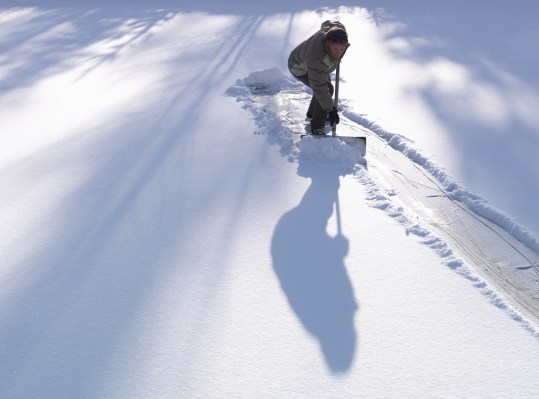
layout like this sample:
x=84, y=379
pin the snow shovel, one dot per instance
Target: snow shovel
x=354, y=141
x=337, y=78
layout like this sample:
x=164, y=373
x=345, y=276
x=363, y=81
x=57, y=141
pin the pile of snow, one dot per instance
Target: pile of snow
x=265, y=78
x=329, y=151
x=262, y=81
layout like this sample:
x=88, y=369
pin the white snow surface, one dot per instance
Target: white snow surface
x=166, y=232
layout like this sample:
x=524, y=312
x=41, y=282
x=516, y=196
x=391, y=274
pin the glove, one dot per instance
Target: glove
x=333, y=117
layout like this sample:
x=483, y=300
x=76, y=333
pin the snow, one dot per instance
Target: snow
x=166, y=234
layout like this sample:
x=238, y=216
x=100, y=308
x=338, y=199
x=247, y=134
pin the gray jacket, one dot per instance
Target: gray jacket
x=312, y=58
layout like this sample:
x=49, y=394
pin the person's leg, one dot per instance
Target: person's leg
x=315, y=110
x=319, y=114
x=305, y=80
x=311, y=107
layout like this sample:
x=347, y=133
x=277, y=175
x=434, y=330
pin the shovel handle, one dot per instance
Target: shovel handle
x=336, y=102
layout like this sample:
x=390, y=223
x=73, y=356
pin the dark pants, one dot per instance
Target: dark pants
x=319, y=114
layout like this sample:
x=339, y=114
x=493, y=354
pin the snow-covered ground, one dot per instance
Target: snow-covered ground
x=164, y=236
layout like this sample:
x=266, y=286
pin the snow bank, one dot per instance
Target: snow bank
x=379, y=198
x=265, y=78
x=262, y=81
x=451, y=188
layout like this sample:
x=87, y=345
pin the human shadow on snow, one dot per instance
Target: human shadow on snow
x=309, y=264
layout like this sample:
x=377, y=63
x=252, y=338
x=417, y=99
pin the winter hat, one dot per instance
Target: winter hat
x=337, y=35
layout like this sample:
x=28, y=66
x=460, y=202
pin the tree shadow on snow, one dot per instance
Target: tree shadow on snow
x=309, y=264
x=110, y=241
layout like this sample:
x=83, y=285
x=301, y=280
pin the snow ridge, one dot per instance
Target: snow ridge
x=452, y=189
x=378, y=198
x=267, y=82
